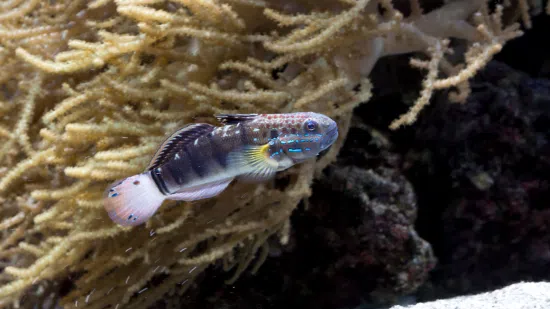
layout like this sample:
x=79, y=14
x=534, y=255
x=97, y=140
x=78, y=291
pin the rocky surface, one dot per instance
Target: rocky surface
x=491, y=160
x=524, y=295
x=479, y=169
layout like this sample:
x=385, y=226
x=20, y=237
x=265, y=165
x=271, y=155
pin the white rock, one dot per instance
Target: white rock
x=523, y=295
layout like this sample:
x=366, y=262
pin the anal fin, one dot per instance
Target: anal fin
x=201, y=192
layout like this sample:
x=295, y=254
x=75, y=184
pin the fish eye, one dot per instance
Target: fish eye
x=311, y=125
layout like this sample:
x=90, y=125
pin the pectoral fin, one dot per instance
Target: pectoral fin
x=254, y=162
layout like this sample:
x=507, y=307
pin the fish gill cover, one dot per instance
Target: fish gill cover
x=89, y=89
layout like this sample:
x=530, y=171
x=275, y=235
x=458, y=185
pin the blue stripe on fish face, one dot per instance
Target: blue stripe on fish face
x=300, y=145
x=276, y=154
x=302, y=138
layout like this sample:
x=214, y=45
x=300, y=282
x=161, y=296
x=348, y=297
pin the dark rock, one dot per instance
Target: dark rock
x=493, y=156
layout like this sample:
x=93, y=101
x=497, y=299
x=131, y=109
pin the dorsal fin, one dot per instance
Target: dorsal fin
x=179, y=138
x=234, y=118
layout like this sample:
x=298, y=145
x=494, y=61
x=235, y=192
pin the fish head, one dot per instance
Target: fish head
x=315, y=133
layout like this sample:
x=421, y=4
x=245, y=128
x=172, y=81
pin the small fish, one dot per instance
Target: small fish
x=200, y=160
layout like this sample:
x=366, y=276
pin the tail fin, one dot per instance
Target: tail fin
x=133, y=200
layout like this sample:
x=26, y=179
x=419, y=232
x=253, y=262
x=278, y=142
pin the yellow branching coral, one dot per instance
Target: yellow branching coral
x=89, y=89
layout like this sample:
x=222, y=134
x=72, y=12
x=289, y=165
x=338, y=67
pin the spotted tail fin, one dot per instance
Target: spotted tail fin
x=133, y=200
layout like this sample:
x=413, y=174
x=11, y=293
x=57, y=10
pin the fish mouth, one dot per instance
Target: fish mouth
x=329, y=138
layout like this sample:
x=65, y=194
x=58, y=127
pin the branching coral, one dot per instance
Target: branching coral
x=90, y=89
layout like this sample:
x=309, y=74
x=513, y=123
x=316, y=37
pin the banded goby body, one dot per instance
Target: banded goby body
x=200, y=160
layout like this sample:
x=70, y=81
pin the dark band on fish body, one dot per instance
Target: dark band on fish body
x=244, y=135
x=178, y=139
x=177, y=171
x=210, y=153
x=197, y=162
x=217, y=150
x=273, y=134
x=196, y=159
x=177, y=174
x=156, y=175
